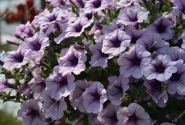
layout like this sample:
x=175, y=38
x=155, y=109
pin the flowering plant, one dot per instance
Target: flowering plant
x=93, y=62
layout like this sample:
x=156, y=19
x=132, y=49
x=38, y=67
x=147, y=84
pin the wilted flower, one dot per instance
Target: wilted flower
x=156, y=91
x=94, y=97
x=24, y=31
x=59, y=85
x=54, y=108
x=117, y=88
x=132, y=15
x=132, y=62
x=115, y=42
x=73, y=61
x=76, y=96
x=31, y=114
x=134, y=114
x=160, y=69
x=109, y=115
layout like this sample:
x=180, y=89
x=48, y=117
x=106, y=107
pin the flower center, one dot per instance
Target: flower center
x=52, y=18
x=63, y=82
x=78, y=27
x=136, y=61
x=97, y=3
x=73, y=60
x=18, y=57
x=161, y=28
x=36, y=45
x=116, y=42
x=160, y=68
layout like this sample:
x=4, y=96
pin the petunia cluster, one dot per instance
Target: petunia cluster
x=100, y=62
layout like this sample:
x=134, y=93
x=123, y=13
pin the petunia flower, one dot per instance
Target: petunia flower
x=15, y=59
x=76, y=28
x=176, y=83
x=176, y=54
x=117, y=88
x=134, y=114
x=132, y=62
x=31, y=113
x=59, y=85
x=53, y=108
x=156, y=91
x=99, y=58
x=73, y=61
x=35, y=47
x=94, y=98
x=153, y=43
x=132, y=15
x=108, y=116
x=115, y=43
x=163, y=26
x=160, y=69
x=76, y=96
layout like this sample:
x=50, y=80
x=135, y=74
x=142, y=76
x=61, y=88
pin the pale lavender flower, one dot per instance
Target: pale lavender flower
x=132, y=62
x=4, y=83
x=182, y=39
x=24, y=31
x=108, y=115
x=115, y=43
x=177, y=81
x=73, y=61
x=132, y=15
x=76, y=97
x=58, y=3
x=31, y=114
x=35, y=47
x=99, y=58
x=117, y=88
x=127, y=3
x=94, y=97
x=160, y=69
x=53, y=108
x=15, y=59
x=59, y=85
x=155, y=90
x=176, y=54
x=97, y=5
x=153, y=43
x=134, y=114
x=76, y=28
x=163, y=26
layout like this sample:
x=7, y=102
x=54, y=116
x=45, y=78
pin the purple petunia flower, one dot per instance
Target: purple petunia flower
x=127, y=3
x=97, y=5
x=35, y=47
x=76, y=97
x=153, y=43
x=163, y=26
x=161, y=68
x=4, y=83
x=155, y=90
x=31, y=114
x=132, y=62
x=59, y=85
x=134, y=114
x=117, y=88
x=179, y=7
x=132, y=15
x=15, y=59
x=176, y=54
x=53, y=108
x=76, y=28
x=99, y=58
x=109, y=115
x=135, y=34
x=94, y=97
x=73, y=61
x=177, y=80
x=24, y=31
x=115, y=42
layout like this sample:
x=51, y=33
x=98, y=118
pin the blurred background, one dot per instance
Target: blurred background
x=13, y=13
